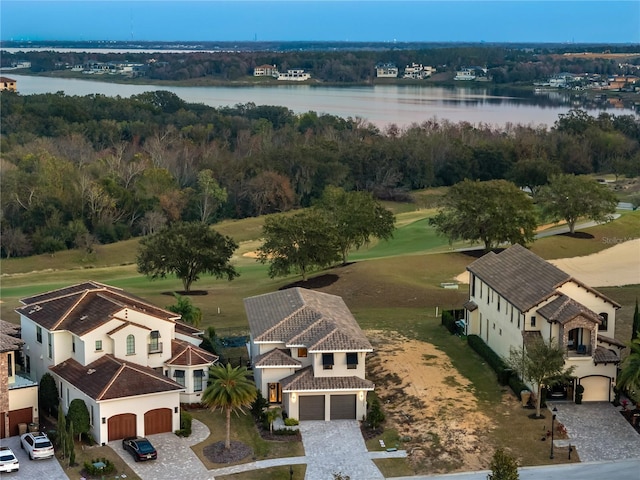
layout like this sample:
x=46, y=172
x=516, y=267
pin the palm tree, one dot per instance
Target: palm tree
x=229, y=389
x=629, y=378
x=271, y=415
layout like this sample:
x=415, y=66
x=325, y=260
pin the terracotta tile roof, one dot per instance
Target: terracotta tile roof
x=611, y=341
x=276, y=358
x=564, y=308
x=84, y=307
x=304, y=380
x=126, y=324
x=301, y=317
x=186, y=354
x=520, y=276
x=187, y=329
x=9, y=341
x=109, y=378
x=604, y=355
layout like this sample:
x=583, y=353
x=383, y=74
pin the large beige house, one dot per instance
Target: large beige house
x=516, y=296
x=18, y=393
x=131, y=362
x=308, y=354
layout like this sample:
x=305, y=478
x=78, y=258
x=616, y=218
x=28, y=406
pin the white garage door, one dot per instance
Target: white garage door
x=596, y=389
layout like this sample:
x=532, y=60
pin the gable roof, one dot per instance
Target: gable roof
x=522, y=277
x=186, y=354
x=276, y=358
x=304, y=380
x=564, y=308
x=301, y=317
x=83, y=307
x=108, y=378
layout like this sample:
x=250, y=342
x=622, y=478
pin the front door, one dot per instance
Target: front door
x=275, y=393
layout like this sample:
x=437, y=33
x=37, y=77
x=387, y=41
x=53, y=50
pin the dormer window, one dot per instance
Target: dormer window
x=327, y=361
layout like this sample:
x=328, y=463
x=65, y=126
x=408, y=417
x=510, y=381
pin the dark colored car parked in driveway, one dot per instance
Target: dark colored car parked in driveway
x=140, y=448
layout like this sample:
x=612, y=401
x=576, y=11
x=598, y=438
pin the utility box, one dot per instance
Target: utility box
x=22, y=428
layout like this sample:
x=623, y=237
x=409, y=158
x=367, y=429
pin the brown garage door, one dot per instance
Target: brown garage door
x=121, y=426
x=22, y=415
x=158, y=421
x=312, y=407
x=343, y=407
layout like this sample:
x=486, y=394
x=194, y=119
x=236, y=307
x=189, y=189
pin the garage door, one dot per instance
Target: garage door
x=343, y=407
x=312, y=407
x=596, y=389
x=121, y=426
x=158, y=421
x=22, y=415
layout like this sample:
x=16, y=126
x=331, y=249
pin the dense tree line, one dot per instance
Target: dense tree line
x=82, y=170
x=506, y=64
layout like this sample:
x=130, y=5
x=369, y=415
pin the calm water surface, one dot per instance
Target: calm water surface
x=381, y=105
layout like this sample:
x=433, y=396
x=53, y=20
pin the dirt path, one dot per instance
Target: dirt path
x=430, y=404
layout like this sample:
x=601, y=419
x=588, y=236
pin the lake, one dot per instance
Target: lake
x=381, y=105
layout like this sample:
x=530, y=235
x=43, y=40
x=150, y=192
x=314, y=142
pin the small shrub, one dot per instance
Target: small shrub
x=449, y=321
x=376, y=415
x=579, y=392
x=186, y=420
x=503, y=467
x=290, y=422
x=108, y=468
x=285, y=431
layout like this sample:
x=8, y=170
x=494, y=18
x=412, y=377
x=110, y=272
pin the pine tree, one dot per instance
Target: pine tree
x=503, y=467
x=71, y=448
x=62, y=432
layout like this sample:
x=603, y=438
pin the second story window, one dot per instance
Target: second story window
x=73, y=344
x=155, y=346
x=533, y=320
x=50, y=344
x=38, y=334
x=605, y=322
x=327, y=361
x=98, y=345
x=302, y=352
x=352, y=360
x=197, y=380
x=10, y=364
x=131, y=345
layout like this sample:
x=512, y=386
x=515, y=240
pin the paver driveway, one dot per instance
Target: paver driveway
x=598, y=431
x=48, y=468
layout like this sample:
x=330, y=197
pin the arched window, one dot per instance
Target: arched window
x=131, y=345
x=605, y=322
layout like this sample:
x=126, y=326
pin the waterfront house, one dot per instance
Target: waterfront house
x=386, y=70
x=294, y=75
x=266, y=71
x=9, y=84
x=418, y=71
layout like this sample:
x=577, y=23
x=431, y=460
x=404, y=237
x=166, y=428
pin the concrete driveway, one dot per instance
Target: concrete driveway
x=49, y=468
x=598, y=431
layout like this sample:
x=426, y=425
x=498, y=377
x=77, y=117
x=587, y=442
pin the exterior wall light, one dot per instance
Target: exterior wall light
x=294, y=397
x=361, y=395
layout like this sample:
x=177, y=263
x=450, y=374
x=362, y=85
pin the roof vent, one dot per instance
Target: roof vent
x=90, y=371
x=84, y=317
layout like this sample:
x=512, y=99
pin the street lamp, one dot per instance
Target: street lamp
x=553, y=419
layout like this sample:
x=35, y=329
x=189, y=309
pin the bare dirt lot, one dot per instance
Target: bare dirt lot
x=430, y=404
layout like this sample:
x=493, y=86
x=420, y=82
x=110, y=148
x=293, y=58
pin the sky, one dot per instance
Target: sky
x=578, y=21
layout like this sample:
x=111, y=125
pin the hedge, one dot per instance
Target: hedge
x=506, y=376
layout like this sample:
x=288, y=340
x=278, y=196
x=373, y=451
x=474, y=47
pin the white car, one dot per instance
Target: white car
x=37, y=445
x=8, y=460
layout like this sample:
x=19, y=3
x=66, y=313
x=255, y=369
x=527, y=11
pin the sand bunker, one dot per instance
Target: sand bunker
x=613, y=267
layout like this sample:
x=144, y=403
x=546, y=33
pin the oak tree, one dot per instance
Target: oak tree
x=187, y=250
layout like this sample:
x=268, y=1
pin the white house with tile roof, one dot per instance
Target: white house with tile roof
x=516, y=296
x=308, y=354
x=131, y=362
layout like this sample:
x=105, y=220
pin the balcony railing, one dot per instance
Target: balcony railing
x=155, y=347
x=579, y=351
